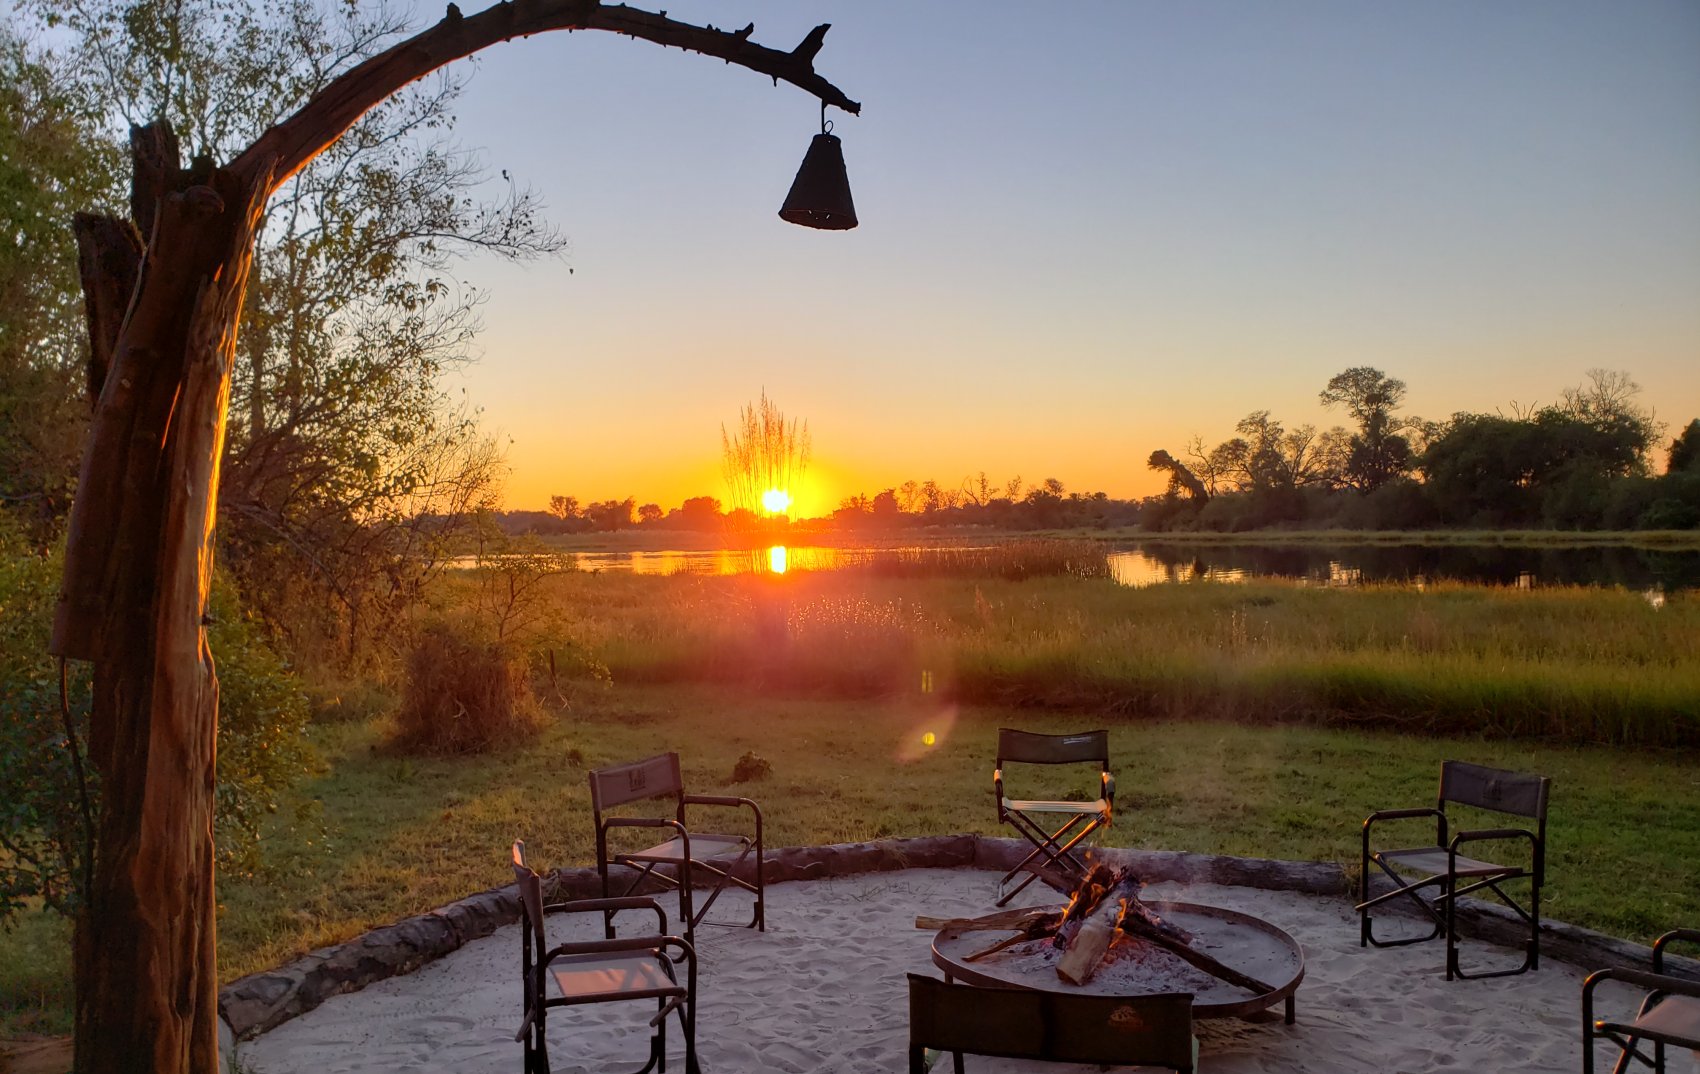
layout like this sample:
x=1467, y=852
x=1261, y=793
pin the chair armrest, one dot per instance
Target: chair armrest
x=626, y=902
x=1689, y=935
x=605, y=947
x=1401, y=814
x=1537, y=865
x=1654, y=982
x=728, y=801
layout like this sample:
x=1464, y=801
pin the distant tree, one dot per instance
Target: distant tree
x=1377, y=453
x=977, y=490
x=564, y=507
x=909, y=497
x=763, y=452
x=884, y=507
x=612, y=514
x=1179, y=476
x=1053, y=486
x=700, y=513
x=1606, y=401
x=1012, y=489
x=649, y=514
x=1685, y=450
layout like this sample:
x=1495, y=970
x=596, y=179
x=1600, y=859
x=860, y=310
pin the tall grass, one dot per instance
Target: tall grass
x=1572, y=665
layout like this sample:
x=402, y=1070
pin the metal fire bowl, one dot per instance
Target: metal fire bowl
x=1134, y=967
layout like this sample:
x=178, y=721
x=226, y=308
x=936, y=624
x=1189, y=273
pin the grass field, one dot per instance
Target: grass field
x=1581, y=665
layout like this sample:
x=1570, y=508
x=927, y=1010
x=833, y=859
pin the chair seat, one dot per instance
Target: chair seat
x=1676, y=1020
x=702, y=847
x=589, y=978
x=1083, y=808
x=1432, y=862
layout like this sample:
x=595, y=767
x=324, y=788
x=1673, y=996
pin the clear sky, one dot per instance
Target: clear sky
x=1088, y=230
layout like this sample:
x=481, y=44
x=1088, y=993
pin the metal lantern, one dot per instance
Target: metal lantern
x=820, y=195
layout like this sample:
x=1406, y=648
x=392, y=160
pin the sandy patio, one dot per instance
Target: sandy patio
x=824, y=990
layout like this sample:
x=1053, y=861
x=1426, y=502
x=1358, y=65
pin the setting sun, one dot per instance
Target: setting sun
x=776, y=501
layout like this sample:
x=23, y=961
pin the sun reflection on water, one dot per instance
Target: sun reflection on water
x=777, y=559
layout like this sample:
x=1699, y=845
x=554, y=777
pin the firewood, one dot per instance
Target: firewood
x=1141, y=928
x=1085, y=950
x=1005, y=919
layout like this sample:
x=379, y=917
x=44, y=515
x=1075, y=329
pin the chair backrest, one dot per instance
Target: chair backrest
x=651, y=777
x=530, y=892
x=1494, y=788
x=1020, y=1023
x=1030, y=747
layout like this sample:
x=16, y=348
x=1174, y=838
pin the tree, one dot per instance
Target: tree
x=564, y=508
x=1606, y=402
x=1179, y=476
x=649, y=514
x=51, y=162
x=1377, y=453
x=141, y=523
x=763, y=453
x=1685, y=450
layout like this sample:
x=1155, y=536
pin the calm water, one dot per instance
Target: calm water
x=1157, y=563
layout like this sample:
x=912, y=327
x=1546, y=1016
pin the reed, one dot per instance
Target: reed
x=1572, y=665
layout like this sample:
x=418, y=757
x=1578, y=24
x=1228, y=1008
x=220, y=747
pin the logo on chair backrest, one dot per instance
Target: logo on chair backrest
x=1127, y=1020
x=1494, y=792
x=636, y=779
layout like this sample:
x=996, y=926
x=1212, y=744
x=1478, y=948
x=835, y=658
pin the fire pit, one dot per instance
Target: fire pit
x=1107, y=941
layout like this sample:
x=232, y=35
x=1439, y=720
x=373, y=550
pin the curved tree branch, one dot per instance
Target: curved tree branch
x=287, y=147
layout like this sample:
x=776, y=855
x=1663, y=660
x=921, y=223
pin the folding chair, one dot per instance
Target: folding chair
x=1670, y=1013
x=601, y=971
x=686, y=852
x=1444, y=868
x=1078, y=819
x=1022, y=1023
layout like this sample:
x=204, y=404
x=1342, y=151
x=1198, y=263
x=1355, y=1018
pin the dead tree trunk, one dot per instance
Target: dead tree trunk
x=164, y=293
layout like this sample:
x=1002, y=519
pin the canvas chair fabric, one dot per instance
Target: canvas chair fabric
x=677, y=860
x=1669, y=1015
x=1055, y=828
x=1019, y=1023
x=1452, y=874
x=634, y=968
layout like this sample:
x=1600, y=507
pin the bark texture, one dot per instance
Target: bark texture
x=163, y=293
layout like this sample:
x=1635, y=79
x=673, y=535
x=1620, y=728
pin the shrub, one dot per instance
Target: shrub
x=462, y=695
x=749, y=768
x=44, y=829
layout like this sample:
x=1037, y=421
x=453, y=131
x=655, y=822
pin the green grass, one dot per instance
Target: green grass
x=1581, y=665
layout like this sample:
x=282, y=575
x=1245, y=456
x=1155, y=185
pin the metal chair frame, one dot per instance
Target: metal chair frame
x=1627, y=1035
x=536, y=957
x=1023, y=1023
x=1480, y=787
x=659, y=777
x=1056, y=847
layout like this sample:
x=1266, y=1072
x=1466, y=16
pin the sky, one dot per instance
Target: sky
x=1088, y=230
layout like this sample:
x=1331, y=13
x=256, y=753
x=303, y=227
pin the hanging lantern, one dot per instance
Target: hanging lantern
x=820, y=195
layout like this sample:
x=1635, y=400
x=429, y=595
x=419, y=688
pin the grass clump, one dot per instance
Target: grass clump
x=463, y=694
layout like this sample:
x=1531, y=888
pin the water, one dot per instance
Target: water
x=1163, y=563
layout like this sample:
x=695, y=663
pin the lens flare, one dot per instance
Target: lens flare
x=929, y=739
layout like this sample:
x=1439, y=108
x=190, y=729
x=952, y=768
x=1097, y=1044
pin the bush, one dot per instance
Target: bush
x=463, y=695
x=43, y=827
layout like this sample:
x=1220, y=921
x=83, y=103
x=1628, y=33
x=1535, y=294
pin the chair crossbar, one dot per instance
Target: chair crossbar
x=1049, y=846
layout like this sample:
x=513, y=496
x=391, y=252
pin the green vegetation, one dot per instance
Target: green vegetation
x=1576, y=665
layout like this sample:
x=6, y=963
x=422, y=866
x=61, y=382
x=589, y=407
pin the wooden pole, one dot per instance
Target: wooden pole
x=163, y=293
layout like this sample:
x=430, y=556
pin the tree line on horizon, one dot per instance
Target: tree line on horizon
x=1584, y=462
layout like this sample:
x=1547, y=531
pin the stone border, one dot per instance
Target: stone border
x=265, y=1000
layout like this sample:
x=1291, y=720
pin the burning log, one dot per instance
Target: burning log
x=1106, y=904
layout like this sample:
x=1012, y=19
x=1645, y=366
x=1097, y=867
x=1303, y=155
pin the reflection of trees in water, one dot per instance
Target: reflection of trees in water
x=1631, y=568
